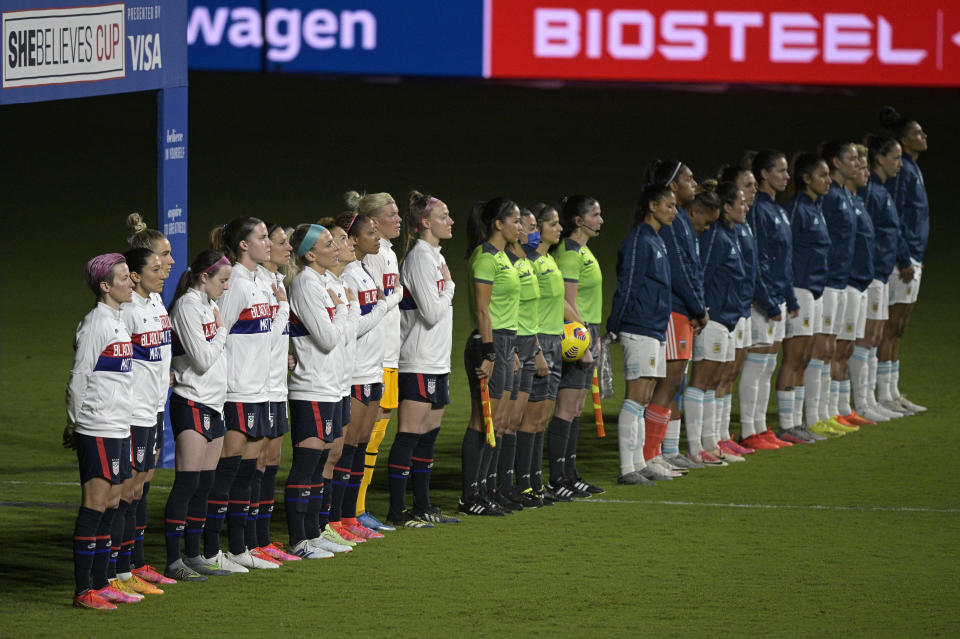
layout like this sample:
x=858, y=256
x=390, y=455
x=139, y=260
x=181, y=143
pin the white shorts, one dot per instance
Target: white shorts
x=741, y=333
x=763, y=330
x=905, y=292
x=834, y=301
x=878, y=300
x=854, y=315
x=809, y=319
x=715, y=344
x=643, y=356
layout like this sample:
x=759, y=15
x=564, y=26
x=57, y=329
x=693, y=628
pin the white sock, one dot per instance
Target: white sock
x=834, y=408
x=638, y=461
x=786, y=402
x=798, y=395
x=883, y=381
x=825, y=380
x=763, y=394
x=628, y=434
x=859, y=363
x=693, y=417
x=872, y=378
x=811, y=382
x=753, y=367
x=726, y=403
x=708, y=433
x=843, y=404
x=895, y=380
x=671, y=441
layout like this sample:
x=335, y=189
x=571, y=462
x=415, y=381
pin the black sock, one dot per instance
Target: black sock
x=138, y=558
x=506, y=463
x=239, y=506
x=217, y=503
x=316, y=512
x=84, y=546
x=398, y=470
x=175, y=512
x=536, y=463
x=297, y=492
x=120, y=538
x=101, y=557
x=471, y=455
x=253, y=513
x=326, y=498
x=557, y=436
x=349, y=508
x=489, y=477
x=268, y=489
x=197, y=514
x=422, y=468
x=524, y=459
x=570, y=471
x=341, y=477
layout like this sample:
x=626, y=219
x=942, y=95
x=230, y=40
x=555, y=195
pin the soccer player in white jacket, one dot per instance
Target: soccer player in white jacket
x=99, y=409
x=196, y=409
x=319, y=329
x=424, y=365
x=247, y=316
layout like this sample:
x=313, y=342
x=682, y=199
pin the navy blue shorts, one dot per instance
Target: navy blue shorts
x=142, y=441
x=158, y=439
x=251, y=419
x=426, y=388
x=187, y=414
x=104, y=457
x=367, y=393
x=346, y=414
x=315, y=419
x=279, y=420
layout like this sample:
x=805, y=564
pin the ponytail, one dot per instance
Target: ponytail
x=191, y=276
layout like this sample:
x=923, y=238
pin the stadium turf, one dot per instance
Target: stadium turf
x=855, y=537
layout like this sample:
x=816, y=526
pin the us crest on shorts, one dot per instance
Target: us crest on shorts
x=115, y=466
x=141, y=453
x=328, y=426
x=431, y=386
x=206, y=422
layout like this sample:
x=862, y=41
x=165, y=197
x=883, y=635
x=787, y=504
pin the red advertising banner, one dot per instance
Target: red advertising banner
x=883, y=42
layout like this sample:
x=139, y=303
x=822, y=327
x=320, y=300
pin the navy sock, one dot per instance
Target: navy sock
x=341, y=477
x=398, y=471
x=253, y=513
x=536, y=463
x=422, y=468
x=268, y=489
x=101, y=557
x=557, y=436
x=349, y=508
x=197, y=514
x=570, y=471
x=524, y=459
x=138, y=558
x=239, y=505
x=84, y=546
x=317, y=512
x=118, y=539
x=471, y=455
x=506, y=462
x=297, y=492
x=217, y=502
x=326, y=498
x=175, y=513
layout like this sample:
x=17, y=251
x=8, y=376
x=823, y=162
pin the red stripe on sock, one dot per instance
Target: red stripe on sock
x=212, y=501
x=174, y=521
x=85, y=538
x=299, y=486
x=398, y=466
x=422, y=459
x=196, y=518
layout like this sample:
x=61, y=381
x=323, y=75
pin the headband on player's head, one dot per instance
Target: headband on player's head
x=426, y=211
x=213, y=268
x=313, y=234
x=673, y=176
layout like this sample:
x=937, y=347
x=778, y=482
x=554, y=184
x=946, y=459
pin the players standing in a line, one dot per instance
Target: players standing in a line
x=811, y=244
x=638, y=320
x=318, y=329
x=581, y=220
x=245, y=310
x=99, y=410
x=910, y=194
x=385, y=269
x=426, y=324
x=271, y=276
x=490, y=352
x=773, y=298
x=196, y=409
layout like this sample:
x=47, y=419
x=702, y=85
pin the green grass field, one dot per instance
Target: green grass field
x=852, y=537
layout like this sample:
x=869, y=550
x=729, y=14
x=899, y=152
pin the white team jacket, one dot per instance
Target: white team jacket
x=383, y=267
x=319, y=329
x=199, y=351
x=147, y=323
x=99, y=402
x=369, y=361
x=246, y=314
x=348, y=355
x=426, y=312
x=280, y=335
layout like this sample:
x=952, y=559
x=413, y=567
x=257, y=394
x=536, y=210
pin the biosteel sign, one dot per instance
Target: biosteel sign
x=882, y=42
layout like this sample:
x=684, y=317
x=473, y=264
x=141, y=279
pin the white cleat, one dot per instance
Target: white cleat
x=916, y=408
x=875, y=415
x=325, y=544
x=247, y=560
